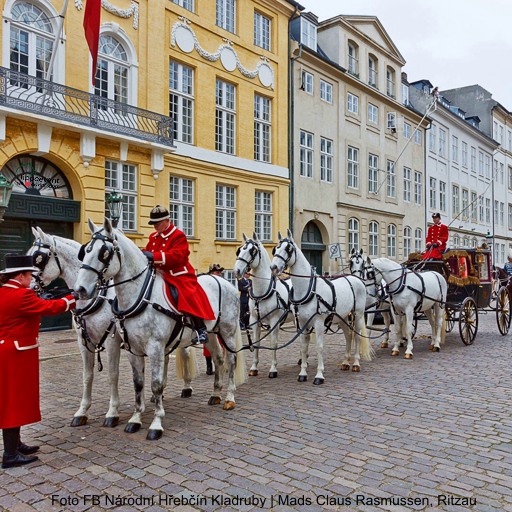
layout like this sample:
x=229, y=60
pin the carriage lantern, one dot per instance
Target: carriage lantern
x=5, y=195
x=115, y=207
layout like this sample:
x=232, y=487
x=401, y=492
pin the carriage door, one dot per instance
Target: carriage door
x=312, y=246
x=41, y=197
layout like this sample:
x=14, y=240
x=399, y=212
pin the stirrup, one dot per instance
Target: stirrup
x=201, y=338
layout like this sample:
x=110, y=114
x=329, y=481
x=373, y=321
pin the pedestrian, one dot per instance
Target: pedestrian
x=168, y=249
x=244, y=286
x=437, y=237
x=508, y=266
x=20, y=316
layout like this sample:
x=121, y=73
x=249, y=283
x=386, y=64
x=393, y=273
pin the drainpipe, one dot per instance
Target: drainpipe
x=291, y=128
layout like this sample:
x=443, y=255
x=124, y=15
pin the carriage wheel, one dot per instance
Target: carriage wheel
x=450, y=319
x=468, y=321
x=503, y=310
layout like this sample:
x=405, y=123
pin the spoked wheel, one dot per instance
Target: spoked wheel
x=468, y=321
x=503, y=310
x=450, y=319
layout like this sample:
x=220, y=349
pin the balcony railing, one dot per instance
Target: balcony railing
x=32, y=94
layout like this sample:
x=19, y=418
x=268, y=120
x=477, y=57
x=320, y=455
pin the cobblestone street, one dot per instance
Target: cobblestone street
x=430, y=433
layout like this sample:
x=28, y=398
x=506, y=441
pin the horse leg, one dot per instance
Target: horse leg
x=184, y=370
x=399, y=319
x=113, y=354
x=304, y=349
x=253, y=372
x=135, y=422
x=80, y=417
x=273, y=344
x=157, y=361
x=437, y=327
x=408, y=318
x=345, y=365
x=355, y=335
x=431, y=320
x=319, y=377
x=229, y=402
x=387, y=322
x=219, y=356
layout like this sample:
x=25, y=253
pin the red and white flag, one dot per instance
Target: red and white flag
x=92, y=31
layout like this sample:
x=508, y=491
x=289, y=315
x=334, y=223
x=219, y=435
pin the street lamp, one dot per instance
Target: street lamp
x=115, y=207
x=5, y=196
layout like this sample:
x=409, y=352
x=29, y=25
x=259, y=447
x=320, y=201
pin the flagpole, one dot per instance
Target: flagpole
x=57, y=40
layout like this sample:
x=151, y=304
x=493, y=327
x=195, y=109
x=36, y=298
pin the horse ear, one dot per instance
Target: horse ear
x=279, y=237
x=352, y=251
x=35, y=233
x=245, y=238
x=255, y=236
x=92, y=226
x=42, y=235
x=361, y=251
x=368, y=260
x=107, y=226
x=289, y=234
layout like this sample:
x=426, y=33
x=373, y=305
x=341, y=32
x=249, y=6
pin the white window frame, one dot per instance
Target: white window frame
x=442, y=143
x=432, y=138
x=181, y=203
x=455, y=200
x=181, y=100
x=418, y=239
x=405, y=94
x=391, y=241
x=433, y=193
x=353, y=63
x=391, y=121
x=373, y=173
x=307, y=82
x=473, y=159
x=442, y=196
x=407, y=184
x=352, y=167
x=325, y=91
x=464, y=154
x=122, y=178
x=407, y=130
x=373, y=113
x=390, y=179
x=465, y=204
x=455, y=149
x=373, y=76
x=262, y=129
x=390, y=82
x=226, y=15
x=262, y=31
x=186, y=4
x=417, y=136
x=326, y=159
x=407, y=241
x=487, y=210
x=306, y=141
x=225, y=212
x=353, y=234
x=373, y=239
x=263, y=215
x=352, y=103
x=474, y=206
x=307, y=33
x=225, y=117
x=418, y=188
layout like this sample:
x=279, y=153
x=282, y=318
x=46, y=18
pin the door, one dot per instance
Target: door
x=312, y=246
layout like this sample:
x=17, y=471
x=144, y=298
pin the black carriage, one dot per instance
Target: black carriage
x=473, y=285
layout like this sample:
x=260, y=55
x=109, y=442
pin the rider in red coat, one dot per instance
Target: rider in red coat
x=20, y=315
x=437, y=237
x=168, y=248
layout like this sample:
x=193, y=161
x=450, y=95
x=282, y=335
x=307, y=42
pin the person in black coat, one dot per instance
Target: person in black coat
x=244, y=285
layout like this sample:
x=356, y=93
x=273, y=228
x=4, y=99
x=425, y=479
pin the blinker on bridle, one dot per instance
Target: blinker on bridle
x=105, y=254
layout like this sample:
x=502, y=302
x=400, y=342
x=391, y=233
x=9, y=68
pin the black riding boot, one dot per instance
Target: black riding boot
x=209, y=365
x=200, y=327
x=12, y=457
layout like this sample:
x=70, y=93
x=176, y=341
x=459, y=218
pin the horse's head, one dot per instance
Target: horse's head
x=285, y=253
x=44, y=254
x=356, y=262
x=247, y=256
x=98, y=261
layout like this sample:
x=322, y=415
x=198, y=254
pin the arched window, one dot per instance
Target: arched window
x=31, y=40
x=456, y=241
x=373, y=239
x=353, y=234
x=407, y=241
x=418, y=240
x=390, y=82
x=112, y=70
x=372, y=71
x=391, y=241
x=353, y=64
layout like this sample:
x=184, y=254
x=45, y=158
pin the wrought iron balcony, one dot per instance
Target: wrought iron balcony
x=32, y=94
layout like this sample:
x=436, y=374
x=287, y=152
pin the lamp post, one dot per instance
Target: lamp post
x=490, y=239
x=5, y=196
x=115, y=207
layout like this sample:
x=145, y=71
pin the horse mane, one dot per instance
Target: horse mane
x=385, y=264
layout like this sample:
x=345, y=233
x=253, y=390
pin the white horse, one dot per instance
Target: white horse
x=268, y=297
x=318, y=300
x=146, y=322
x=374, y=297
x=411, y=293
x=58, y=257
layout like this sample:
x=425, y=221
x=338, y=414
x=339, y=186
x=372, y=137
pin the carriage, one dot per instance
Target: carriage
x=473, y=285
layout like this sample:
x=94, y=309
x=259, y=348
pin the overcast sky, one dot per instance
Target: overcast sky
x=452, y=43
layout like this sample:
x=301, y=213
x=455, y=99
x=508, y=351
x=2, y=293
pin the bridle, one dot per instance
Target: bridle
x=290, y=251
x=105, y=255
x=356, y=260
x=254, y=250
x=41, y=259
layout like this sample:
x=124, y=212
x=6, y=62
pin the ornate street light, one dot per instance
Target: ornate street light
x=115, y=207
x=5, y=196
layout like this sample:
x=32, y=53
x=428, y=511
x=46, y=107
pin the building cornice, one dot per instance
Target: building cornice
x=365, y=208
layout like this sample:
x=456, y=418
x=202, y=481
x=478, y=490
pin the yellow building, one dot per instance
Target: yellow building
x=189, y=110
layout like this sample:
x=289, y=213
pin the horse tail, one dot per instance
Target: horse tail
x=240, y=370
x=365, y=348
x=185, y=358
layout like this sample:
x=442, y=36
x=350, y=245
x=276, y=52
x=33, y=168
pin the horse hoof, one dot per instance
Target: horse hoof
x=384, y=345
x=228, y=405
x=436, y=349
x=272, y=375
x=131, y=428
x=303, y=378
x=253, y=373
x=318, y=381
x=356, y=368
x=154, y=435
x=345, y=367
x=408, y=356
x=79, y=421
x=431, y=347
x=111, y=422
x=186, y=393
x=395, y=352
x=214, y=400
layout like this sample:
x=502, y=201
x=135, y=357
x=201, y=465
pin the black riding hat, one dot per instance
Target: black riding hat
x=18, y=263
x=158, y=213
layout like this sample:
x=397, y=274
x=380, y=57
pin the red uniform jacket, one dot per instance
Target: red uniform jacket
x=170, y=250
x=437, y=234
x=20, y=315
